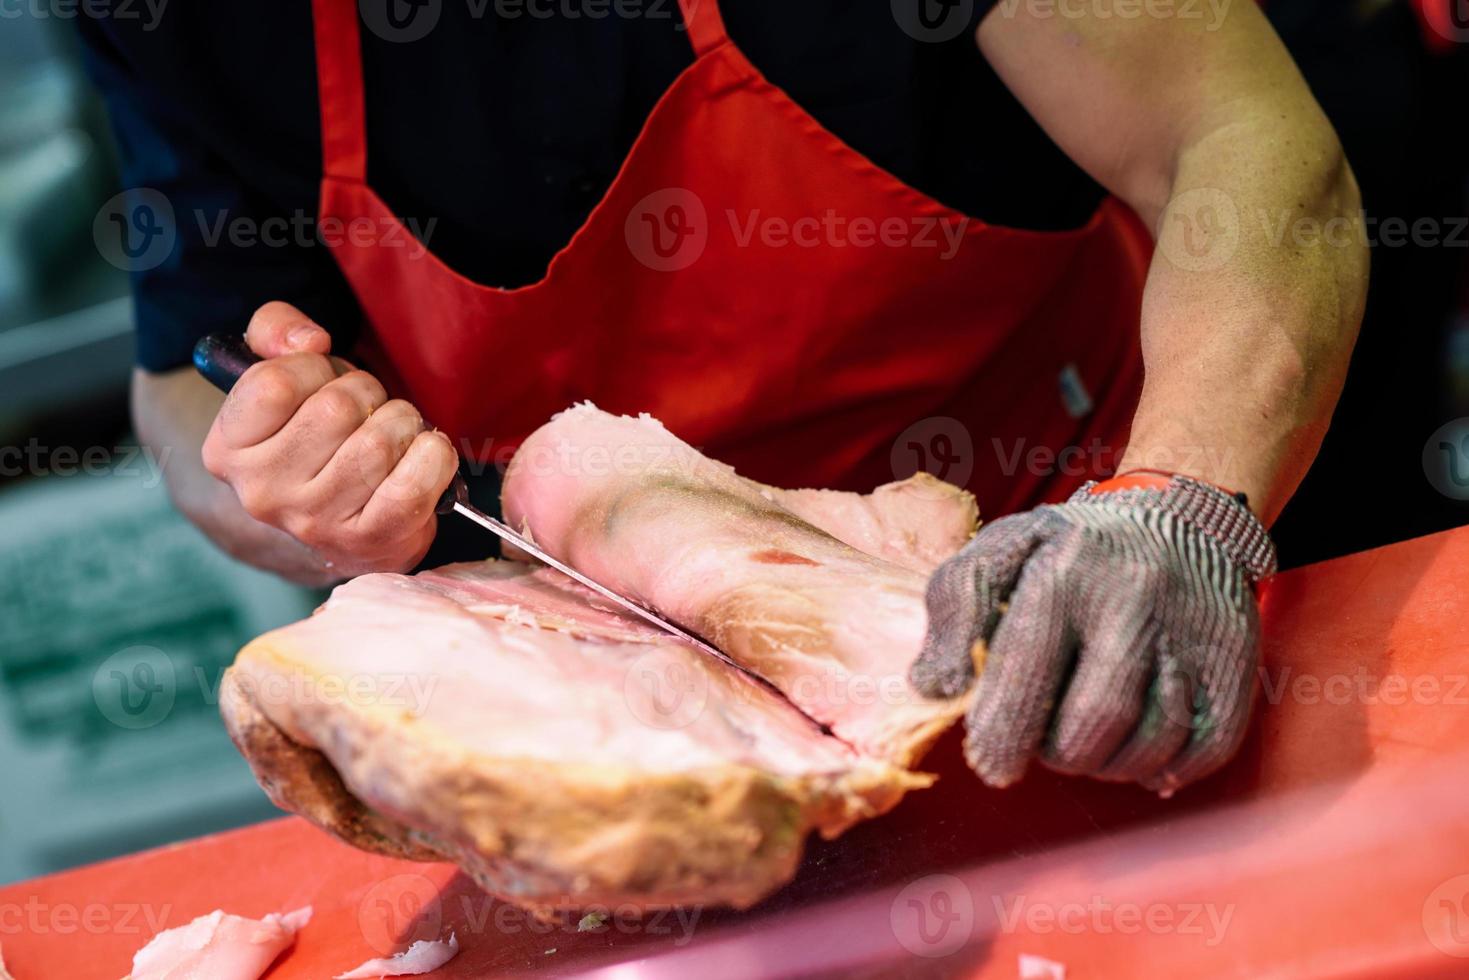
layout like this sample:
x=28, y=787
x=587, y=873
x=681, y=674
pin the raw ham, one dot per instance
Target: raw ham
x=567, y=755
x=762, y=573
x=218, y=946
x=562, y=754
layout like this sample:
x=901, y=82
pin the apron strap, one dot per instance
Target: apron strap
x=339, y=87
x=705, y=25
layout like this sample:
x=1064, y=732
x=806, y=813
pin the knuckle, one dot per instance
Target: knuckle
x=337, y=407
x=312, y=529
x=368, y=387
x=214, y=456
x=271, y=388
x=260, y=502
x=379, y=452
x=402, y=414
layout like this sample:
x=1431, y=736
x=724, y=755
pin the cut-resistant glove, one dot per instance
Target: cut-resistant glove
x=1116, y=635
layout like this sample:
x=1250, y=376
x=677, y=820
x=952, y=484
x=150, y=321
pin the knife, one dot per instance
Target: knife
x=222, y=358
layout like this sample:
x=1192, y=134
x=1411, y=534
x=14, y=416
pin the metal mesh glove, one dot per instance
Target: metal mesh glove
x=1115, y=635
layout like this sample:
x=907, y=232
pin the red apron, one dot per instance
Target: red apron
x=772, y=295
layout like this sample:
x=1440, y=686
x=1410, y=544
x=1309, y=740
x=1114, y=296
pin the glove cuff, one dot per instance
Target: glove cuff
x=1208, y=509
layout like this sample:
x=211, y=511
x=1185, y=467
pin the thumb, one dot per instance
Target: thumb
x=279, y=328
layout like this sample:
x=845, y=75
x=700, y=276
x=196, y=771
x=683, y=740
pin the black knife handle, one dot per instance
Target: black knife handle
x=221, y=358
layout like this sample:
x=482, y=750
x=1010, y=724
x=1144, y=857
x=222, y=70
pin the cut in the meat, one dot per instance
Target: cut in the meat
x=567, y=755
x=750, y=567
x=561, y=754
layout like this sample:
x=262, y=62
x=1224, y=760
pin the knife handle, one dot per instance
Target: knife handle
x=221, y=358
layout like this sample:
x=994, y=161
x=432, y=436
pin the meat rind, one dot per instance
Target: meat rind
x=648, y=816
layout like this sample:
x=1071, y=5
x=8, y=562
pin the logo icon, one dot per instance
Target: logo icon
x=668, y=229
x=1199, y=230
x=398, y=911
x=1446, y=917
x=1450, y=19
x=400, y=21
x=135, y=688
x=663, y=690
x=1446, y=459
x=135, y=230
x=939, y=446
x=933, y=916
x=933, y=21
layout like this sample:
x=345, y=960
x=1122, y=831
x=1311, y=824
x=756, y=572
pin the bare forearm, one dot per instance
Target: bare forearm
x=173, y=411
x=1251, y=309
x=1255, y=293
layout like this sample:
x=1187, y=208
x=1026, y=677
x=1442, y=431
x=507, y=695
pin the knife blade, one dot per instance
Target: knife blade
x=223, y=358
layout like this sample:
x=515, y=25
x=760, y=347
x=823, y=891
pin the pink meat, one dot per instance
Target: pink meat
x=424, y=956
x=748, y=566
x=218, y=947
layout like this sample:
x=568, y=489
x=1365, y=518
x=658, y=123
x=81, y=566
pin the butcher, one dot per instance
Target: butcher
x=1099, y=261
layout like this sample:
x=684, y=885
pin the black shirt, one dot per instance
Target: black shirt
x=498, y=131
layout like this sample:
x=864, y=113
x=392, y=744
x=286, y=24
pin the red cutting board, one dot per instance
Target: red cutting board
x=1336, y=845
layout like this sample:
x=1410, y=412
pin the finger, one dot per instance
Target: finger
x=267, y=397
x=405, y=501
x=279, y=328
x=1104, y=698
x=964, y=599
x=1163, y=730
x=302, y=449
x=364, y=461
x=1031, y=650
x=1224, y=691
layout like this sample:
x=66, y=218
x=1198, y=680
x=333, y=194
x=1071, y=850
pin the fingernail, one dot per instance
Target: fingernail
x=301, y=335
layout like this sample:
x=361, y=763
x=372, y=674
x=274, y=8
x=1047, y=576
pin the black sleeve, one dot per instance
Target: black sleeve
x=213, y=267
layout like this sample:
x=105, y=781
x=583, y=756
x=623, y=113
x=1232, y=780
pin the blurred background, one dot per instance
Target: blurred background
x=117, y=617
